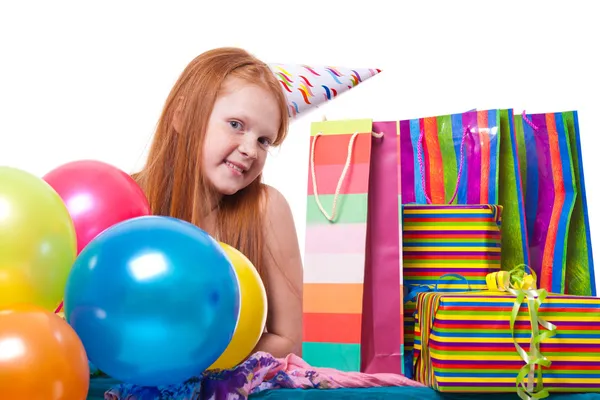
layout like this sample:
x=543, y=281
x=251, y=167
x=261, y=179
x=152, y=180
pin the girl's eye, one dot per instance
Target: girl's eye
x=265, y=142
x=235, y=124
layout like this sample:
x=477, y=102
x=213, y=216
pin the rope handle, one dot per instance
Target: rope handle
x=422, y=165
x=529, y=122
x=342, y=176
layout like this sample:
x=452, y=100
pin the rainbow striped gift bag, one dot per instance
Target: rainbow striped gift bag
x=467, y=158
x=555, y=202
x=451, y=150
x=444, y=239
x=489, y=341
x=352, y=265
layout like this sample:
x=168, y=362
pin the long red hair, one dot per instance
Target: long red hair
x=173, y=179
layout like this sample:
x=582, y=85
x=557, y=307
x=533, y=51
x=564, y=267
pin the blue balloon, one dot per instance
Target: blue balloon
x=155, y=300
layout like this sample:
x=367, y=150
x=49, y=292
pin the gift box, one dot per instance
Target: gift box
x=507, y=339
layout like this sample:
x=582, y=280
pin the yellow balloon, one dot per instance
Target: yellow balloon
x=38, y=244
x=14, y=287
x=253, y=311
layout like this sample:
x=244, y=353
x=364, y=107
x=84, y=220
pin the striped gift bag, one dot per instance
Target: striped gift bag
x=471, y=158
x=352, y=276
x=437, y=240
x=556, y=209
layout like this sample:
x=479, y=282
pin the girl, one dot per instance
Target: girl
x=224, y=113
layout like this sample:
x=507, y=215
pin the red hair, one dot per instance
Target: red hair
x=173, y=179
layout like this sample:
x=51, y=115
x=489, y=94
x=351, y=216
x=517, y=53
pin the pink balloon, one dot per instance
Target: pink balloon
x=98, y=196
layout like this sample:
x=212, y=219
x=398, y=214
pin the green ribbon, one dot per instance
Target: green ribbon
x=529, y=381
x=522, y=285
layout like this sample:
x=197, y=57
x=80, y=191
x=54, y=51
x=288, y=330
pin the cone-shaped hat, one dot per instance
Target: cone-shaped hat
x=308, y=86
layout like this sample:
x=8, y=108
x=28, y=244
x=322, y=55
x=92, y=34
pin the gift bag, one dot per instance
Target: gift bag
x=580, y=278
x=474, y=134
x=555, y=202
x=467, y=165
x=486, y=173
x=515, y=248
x=352, y=267
x=450, y=239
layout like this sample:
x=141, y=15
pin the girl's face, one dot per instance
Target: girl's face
x=244, y=123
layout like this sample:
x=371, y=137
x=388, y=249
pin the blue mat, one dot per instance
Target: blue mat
x=99, y=385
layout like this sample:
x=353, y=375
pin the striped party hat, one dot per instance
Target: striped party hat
x=308, y=86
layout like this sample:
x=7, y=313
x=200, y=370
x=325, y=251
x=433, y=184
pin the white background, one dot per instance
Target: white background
x=82, y=79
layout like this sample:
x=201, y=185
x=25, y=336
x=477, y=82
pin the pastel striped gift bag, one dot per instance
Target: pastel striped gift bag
x=352, y=270
x=555, y=202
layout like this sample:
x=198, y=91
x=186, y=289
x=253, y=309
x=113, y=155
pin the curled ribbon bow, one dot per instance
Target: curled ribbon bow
x=523, y=286
x=516, y=279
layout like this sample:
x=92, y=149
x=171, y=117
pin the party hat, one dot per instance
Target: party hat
x=309, y=86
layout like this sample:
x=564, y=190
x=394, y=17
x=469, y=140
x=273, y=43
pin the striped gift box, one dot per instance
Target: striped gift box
x=451, y=239
x=464, y=343
x=448, y=239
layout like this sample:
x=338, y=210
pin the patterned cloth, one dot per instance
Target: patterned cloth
x=258, y=373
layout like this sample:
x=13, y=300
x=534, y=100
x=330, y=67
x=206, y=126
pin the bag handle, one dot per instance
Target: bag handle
x=422, y=165
x=342, y=176
x=529, y=122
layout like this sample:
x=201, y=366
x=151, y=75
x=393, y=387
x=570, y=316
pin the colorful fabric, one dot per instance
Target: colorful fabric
x=98, y=387
x=259, y=373
x=555, y=202
x=480, y=342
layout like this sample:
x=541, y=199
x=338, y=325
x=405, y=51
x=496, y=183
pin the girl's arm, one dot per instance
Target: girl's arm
x=283, y=275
